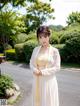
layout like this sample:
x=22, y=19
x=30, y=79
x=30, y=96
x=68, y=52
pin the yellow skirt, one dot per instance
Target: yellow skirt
x=37, y=96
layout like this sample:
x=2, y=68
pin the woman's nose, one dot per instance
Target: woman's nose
x=44, y=39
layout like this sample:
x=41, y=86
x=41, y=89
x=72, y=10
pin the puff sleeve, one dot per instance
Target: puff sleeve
x=55, y=67
x=32, y=63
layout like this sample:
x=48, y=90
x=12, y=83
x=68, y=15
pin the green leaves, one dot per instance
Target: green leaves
x=10, y=25
x=6, y=82
x=37, y=14
x=13, y=2
x=74, y=17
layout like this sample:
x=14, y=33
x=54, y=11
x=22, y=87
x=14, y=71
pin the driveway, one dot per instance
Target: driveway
x=68, y=83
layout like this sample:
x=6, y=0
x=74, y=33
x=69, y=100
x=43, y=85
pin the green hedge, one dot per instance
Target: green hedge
x=7, y=46
x=68, y=35
x=25, y=50
x=28, y=48
x=20, y=56
x=1, y=48
x=31, y=36
x=20, y=38
x=71, y=50
x=10, y=54
x=54, y=38
x=59, y=46
x=6, y=82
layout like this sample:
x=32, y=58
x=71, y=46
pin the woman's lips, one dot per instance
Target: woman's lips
x=44, y=42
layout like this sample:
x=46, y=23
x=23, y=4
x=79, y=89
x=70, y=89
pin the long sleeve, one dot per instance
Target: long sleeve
x=55, y=68
x=31, y=64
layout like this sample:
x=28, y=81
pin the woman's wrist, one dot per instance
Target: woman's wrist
x=38, y=73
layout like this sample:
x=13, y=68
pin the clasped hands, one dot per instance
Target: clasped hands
x=37, y=73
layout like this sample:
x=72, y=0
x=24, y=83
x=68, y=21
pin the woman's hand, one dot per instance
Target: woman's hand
x=39, y=73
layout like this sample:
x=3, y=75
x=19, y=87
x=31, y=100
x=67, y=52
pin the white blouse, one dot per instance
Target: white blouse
x=53, y=61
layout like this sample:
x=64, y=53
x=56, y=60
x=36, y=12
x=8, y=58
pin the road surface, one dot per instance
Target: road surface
x=68, y=83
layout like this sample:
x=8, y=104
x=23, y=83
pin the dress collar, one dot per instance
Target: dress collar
x=40, y=48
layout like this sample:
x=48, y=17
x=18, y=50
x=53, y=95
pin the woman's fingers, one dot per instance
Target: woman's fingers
x=37, y=73
x=40, y=73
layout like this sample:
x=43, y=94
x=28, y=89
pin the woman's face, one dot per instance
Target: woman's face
x=44, y=40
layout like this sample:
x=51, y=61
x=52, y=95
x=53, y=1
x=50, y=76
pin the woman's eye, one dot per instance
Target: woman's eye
x=45, y=36
x=40, y=37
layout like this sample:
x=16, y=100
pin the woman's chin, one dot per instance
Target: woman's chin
x=44, y=45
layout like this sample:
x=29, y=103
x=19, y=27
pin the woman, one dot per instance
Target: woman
x=44, y=63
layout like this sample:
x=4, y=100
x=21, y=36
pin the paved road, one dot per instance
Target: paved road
x=68, y=82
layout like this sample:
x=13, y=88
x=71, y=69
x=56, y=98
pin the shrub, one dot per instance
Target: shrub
x=7, y=46
x=20, y=56
x=59, y=46
x=6, y=82
x=1, y=48
x=10, y=54
x=54, y=38
x=71, y=50
x=28, y=48
x=68, y=36
x=30, y=36
x=20, y=38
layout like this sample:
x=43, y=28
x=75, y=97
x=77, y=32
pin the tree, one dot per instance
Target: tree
x=15, y=2
x=74, y=17
x=37, y=13
x=10, y=25
x=56, y=27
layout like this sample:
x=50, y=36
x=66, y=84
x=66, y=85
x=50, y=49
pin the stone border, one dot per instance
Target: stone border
x=13, y=99
x=13, y=94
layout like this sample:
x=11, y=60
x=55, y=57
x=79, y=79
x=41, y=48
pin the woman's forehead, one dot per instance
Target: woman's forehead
x=43, y=35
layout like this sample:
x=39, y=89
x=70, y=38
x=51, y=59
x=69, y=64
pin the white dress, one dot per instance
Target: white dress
x=45, y=88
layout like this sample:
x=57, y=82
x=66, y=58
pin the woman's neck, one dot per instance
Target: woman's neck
x=45, y=47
